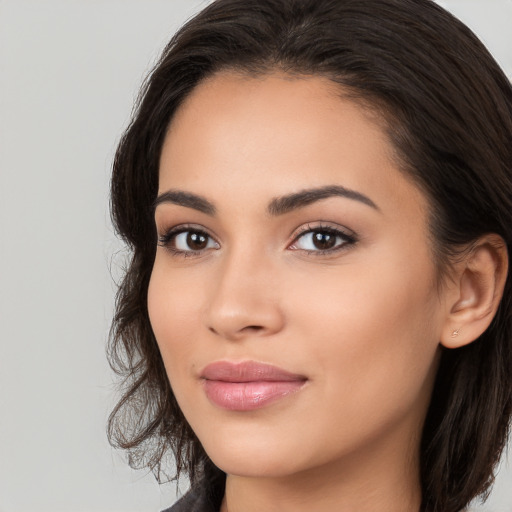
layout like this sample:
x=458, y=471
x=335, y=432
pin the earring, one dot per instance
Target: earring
x=455, y=333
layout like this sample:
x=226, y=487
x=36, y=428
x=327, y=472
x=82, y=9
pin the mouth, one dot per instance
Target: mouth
x=248, y=385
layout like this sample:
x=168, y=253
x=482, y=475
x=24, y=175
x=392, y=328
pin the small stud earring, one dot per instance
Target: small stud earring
x=455, y=333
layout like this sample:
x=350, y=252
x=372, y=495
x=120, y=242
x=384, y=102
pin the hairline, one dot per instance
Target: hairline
x=375, y=109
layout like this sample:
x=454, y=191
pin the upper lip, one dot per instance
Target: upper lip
x=247, y=371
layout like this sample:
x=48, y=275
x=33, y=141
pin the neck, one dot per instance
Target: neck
x=378, y=479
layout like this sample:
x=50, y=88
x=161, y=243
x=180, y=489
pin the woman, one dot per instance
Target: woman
x=317, y=315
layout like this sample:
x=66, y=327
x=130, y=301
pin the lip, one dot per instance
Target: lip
x=248, y=385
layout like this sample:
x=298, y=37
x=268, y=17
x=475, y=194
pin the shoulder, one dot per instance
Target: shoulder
x=205, y=496
x=193, y=501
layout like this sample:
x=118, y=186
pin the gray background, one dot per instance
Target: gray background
x=69, y=71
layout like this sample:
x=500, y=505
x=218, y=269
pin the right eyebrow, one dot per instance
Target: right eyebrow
x=186, y=199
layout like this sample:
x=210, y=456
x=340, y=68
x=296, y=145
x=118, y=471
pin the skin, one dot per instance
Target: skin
x=362, y=323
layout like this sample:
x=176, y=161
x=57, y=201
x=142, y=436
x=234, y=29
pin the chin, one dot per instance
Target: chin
x=250, y=458
x=264, y=466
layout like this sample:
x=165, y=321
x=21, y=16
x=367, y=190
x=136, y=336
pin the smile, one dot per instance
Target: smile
x=249, y=385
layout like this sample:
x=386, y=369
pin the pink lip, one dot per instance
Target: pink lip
x=248, y=385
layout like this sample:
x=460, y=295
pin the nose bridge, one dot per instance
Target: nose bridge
x=244, y=297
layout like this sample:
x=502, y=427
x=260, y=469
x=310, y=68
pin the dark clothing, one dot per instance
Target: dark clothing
x=206, y=496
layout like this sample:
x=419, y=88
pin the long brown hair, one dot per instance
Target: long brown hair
x=447, y=107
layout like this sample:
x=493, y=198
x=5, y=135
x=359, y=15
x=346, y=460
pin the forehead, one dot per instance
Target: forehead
x=275, y=134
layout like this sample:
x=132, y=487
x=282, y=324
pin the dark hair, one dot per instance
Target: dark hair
x=447, y=108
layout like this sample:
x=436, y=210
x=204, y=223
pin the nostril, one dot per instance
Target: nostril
x=253, y=328
x=246, y=329
x=233, y=319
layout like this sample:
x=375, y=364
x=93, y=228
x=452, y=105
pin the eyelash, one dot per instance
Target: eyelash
x=169, y=237
x=348, y=239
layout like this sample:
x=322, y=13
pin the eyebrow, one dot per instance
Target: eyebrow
x=186, y=199
x=277, y=206
x=285, y=204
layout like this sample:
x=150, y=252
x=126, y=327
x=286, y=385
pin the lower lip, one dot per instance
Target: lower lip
x=248, y=396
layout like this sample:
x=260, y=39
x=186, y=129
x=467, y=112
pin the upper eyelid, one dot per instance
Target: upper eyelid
x=297, y=233
x=348, y=236
x=173, y=231
x=165, y=238
x=180, y=228
x=322, y=226
x=302, y=229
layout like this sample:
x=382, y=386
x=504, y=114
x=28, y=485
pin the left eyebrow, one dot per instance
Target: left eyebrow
x=285, y=204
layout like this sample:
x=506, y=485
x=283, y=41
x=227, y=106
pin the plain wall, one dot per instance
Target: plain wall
x=69, y=72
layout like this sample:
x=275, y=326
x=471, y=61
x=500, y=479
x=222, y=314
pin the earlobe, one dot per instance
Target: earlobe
x=480, y=281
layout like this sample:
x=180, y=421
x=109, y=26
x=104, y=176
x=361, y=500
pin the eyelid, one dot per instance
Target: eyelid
x=323, y=226
x=349, y=237
x=172, y=232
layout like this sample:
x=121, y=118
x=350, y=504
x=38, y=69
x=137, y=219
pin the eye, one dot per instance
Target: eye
x=322, y=240
x=187, y=241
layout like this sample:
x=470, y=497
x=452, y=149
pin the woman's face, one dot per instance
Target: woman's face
x=288, y=238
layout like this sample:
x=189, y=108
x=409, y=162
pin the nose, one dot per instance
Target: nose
x=244, y=298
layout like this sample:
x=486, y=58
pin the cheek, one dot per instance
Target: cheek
x=173, y=312
x=366, y=296
x=373, y=329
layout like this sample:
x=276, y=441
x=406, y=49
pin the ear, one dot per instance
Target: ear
x=479, y=281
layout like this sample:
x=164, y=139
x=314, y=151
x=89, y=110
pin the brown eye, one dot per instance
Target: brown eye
x=196, y=241
x=322, y=240
x=187, y=241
